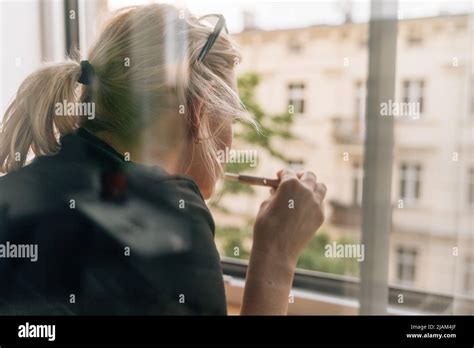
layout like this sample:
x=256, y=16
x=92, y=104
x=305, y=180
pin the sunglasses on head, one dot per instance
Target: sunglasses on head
x=219, y=21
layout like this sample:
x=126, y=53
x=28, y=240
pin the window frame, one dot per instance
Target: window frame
x=294, y=46
x=357, y=184
x=410, y=183
x=341, y=285
x=468, y=279
x=403, y=254
x=345, y=289
x=71, y=26
x=470, y=187
x=408, y=91
x=300, y=102
x=360, y=99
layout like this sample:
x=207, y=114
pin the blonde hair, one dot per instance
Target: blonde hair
x=161, y=45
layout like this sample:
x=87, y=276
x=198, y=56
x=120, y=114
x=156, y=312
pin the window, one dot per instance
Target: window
x=357, y=179
x=360, y=95
x=294, y=46
x=469, y=276
x=296, y=97
x=410, y=176
x=296, y=164
x=344, y=177
x=414, y=40
x=413, y=93
x=406, y=265
x=470, y=187
x=414, y=36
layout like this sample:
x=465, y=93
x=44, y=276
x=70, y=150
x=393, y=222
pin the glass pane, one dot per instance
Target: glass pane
x=304, y=76
x=432, y=225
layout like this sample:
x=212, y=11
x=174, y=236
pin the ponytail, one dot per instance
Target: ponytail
x=30, y=122
x=128, y=96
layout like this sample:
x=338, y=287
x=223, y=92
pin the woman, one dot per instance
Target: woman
x=162, y=88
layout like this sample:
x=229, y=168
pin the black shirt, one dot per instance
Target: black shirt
x=112, y=237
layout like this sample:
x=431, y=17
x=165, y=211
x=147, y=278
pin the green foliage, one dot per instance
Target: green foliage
x=271, y=127
x=232, y=237
x=313, y=257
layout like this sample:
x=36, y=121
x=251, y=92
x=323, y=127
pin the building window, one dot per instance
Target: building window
x=360, y=96
x=294, y=46
x=296, y=97
x=414, y=37
x=470, y=187
x=363, y=42
x=413, y=93
x=296, y=164
x=414, y=40
x=469, y=276
x=406, y=265
x=357, y=180
x=410, y=183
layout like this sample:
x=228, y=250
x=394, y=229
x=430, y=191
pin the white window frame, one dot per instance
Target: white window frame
x=468, y=279
x=471, y=99
x=470, y=187
x=406, y=258
x=357, y=184
x=411, y=175
x=360, y=98
x=296, y=96
x=414, y=92
x=295, y=47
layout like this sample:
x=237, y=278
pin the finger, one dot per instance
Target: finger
x=299, y=174
x=320, y=191
x=309, y=178
x=286, y=174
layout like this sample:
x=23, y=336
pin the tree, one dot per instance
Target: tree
x=271, y=127
x=235, y=240
x=313, y=257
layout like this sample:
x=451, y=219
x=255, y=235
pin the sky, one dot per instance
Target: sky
x=277, y=14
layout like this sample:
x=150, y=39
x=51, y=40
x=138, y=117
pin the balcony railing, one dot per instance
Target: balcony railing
x=347, y=130
x=345, y=215
x=324, y=293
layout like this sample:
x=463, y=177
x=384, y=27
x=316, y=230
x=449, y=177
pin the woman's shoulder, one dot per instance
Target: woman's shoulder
x=159, y=234
x=83, y=172
x=51, y=186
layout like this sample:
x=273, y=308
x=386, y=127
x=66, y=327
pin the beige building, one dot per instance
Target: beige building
x=321, y=72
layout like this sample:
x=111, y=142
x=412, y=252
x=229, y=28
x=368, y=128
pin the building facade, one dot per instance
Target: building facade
x=319, y=73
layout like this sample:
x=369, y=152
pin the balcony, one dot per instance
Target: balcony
x=329, y=294
x=347, y=130
x=345, y=215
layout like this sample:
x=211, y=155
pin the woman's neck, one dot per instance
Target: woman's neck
x=151, y=155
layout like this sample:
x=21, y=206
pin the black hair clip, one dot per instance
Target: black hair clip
x=87, y=73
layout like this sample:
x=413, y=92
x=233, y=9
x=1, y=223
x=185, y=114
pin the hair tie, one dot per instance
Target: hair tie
x=87, y=73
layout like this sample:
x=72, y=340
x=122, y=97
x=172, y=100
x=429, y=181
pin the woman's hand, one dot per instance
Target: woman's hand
x=288, y=219
x=285, y=224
